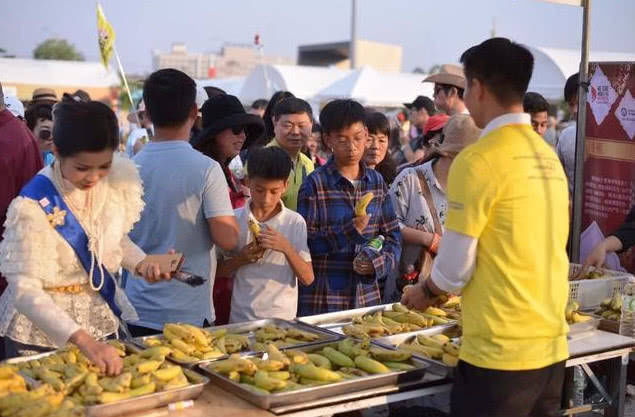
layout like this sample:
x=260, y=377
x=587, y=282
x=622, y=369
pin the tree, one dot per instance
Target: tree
x=57, y=49
x=418, y=70
x=434, y=69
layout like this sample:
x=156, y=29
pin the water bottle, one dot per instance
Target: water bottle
x=627, y=318
x=375, y=245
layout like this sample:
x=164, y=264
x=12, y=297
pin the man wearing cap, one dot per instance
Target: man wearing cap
x=504, y=248
x=449, y=85
x=421, y=109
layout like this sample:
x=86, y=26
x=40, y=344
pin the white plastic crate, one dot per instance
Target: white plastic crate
x=589, y=293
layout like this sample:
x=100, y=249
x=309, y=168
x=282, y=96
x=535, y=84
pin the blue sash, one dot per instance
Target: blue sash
x=42, y=190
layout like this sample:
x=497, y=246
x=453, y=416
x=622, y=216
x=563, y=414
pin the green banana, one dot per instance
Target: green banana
x=311, y=371
x=338, y=358
x=370, y=365
x=389, y=355
x=321, y=361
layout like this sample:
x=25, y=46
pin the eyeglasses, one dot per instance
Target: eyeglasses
x=45, y=135
x=237, y=130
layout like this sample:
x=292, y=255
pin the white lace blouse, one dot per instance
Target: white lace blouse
x=35, y=258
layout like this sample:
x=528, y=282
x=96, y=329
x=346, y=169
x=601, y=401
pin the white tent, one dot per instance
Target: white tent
x=553, y=66
x=374, y=88
x=231, y=85
x=303, y=81
x=53, y=73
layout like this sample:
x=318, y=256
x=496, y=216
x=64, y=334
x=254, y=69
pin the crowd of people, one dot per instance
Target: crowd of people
x=466, y=197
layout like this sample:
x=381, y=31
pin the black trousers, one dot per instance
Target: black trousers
x=480, y=392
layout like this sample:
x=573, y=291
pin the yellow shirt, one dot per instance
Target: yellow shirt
x=509, y=191
x=302, y=167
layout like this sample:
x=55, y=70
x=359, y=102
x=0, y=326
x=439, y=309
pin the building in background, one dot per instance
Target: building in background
x=196, y=65
x=233, y=60
x=380, y=56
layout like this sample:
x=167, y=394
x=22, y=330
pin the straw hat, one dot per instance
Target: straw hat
x=450, y=75
x=44, y=94
x=459, y=132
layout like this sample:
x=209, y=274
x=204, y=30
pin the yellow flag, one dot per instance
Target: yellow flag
x=105, y=35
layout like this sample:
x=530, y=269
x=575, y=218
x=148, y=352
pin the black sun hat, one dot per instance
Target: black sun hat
x=225, y=111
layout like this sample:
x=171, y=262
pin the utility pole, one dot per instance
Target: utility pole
x=352, y=47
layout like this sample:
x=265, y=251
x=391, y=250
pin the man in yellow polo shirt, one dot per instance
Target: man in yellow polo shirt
x=292, y=124
x=504, y=248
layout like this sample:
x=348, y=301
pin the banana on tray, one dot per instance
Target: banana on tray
x=189, y=344
x=439, y=347
x=400, y=320
x=293, y=369
x=573, y=315
x=69, y=382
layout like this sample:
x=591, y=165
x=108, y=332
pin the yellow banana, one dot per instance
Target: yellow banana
x=312, y=372
x=370, y=365
x=168, y=373
x=254, y=227
x=154, y=351
x=283, y=375
x=436, y=312
x=362, y=204
x=109, y=397
x=148, y=366
x=429, y=341
x=451, y=348
x=270, y=365
x=297, y=356
x=274, y=354
x=441, y=337
x=263, y=381
x=450, y=360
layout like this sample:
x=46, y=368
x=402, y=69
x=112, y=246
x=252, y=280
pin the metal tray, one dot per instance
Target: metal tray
x=334, y=322
x=269, y=401
x=436, y=366
x=587, y=326
x=249, y=328
x=144, y=402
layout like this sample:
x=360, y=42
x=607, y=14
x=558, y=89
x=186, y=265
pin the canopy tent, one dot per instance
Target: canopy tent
x=231, y=85
x=303, y=81
x=374, y=88
x=552, y=67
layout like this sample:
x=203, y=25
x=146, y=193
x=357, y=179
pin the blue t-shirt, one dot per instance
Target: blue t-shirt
x=182, y=188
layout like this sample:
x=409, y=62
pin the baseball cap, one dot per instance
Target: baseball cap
x=422, y=102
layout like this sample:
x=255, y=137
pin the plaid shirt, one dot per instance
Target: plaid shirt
x=326, y=201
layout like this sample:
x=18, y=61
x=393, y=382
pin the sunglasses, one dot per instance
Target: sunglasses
x=237, y=130
x=45, y=135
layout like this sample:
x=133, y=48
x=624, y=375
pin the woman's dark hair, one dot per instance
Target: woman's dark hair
x=377, y=122
x=271, y=163
x=387, y=168
x=84, y=127
x=36, y=112
x=277, y=97
x=340, y=114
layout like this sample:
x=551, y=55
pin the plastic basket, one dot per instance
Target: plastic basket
x=589, y=293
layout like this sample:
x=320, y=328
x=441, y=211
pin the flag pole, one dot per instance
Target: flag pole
x=125, y=83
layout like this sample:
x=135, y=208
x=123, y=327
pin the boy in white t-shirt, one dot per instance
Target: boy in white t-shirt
x=267, y=267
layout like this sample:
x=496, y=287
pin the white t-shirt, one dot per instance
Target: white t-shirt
x=268, y=288
x=182, y=189
x=133, y=137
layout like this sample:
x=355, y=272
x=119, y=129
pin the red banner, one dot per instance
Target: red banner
x=609, y=162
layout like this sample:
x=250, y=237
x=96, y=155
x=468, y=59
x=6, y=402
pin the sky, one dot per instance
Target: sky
x=430, y=32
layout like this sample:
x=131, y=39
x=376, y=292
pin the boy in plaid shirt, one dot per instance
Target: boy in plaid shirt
x=327, y=200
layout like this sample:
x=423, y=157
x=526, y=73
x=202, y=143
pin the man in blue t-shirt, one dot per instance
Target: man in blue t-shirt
x=187, y=208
